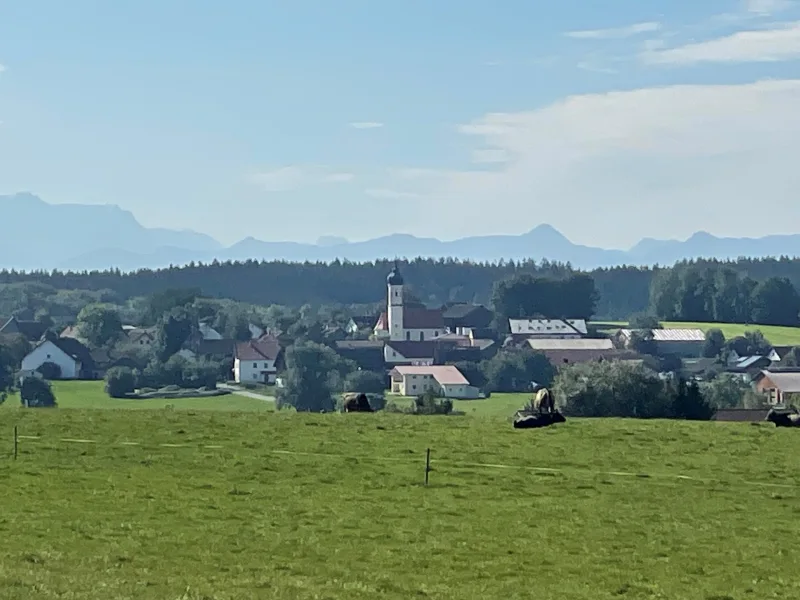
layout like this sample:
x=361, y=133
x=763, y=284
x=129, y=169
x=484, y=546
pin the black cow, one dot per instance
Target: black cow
x=783, y=419
x=539, y=420
x=358, y=403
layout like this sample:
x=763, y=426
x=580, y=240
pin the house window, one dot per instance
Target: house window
x=435, y=334
x=255, y=376
x=408, y=336
x=421, y=336
x=413, y=387
x=48, y=356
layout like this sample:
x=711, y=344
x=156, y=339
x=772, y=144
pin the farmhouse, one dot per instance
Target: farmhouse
x=73, y=359
x=686, y=343
x=442, y=380
x=30, y=330
x=548, y=328
x=255, y=361
x=783, y=388
x=568, y=351
x=460, y=316
x=141, y=336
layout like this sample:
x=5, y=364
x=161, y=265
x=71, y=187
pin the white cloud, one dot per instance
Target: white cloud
x=340, y=177
x=292, y=177
x=592, y=66
x=768, y=45
x=767, y=7
x=604, y=168
x=615, y=33
x=490, y=156
x=390, y=194
x=2, y=67
x=366, y=125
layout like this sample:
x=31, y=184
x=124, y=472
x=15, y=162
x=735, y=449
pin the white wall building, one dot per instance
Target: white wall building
x=71, y=356
x=256, y=361
x=442, y=380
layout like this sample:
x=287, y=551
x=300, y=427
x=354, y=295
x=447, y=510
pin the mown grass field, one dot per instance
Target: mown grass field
x=498, y=405
x=90, y=394
x=296, y=506
x=779, y=336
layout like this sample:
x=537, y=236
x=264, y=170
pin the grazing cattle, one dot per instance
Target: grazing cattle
x=538, y=420
x=543, y=401
x=359, y=403
x=783, y=419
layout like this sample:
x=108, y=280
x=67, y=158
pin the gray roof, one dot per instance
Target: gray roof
x=548, y=326
x=672, y=335
x=785, y=382
x=571, y=344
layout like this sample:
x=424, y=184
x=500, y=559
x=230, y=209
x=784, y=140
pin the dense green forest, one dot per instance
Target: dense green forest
x=620, y=291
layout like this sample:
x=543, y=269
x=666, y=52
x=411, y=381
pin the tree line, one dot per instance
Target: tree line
x=690, y=290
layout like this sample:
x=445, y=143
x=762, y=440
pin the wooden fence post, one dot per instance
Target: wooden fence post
x=427, y=464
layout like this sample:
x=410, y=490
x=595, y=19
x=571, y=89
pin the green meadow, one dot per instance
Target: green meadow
x=779, y=336
x=211, y=504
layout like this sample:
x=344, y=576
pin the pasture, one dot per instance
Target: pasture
x=91, y=394
x=230, y=505
x=779, y=336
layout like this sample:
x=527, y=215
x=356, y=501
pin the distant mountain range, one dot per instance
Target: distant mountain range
x=38, y=235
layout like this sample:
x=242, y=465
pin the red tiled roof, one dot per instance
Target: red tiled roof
x=383, y=322
x=257, y=350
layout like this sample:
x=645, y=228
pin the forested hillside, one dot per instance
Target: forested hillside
x=622, y=291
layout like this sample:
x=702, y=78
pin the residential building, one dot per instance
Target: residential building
x=548, y=328
x=73, y=358
x=562, y=351
x=256, y=361
x=367, y=354
x=31, y=330
x=144, y=337
x=686, y=343
x=357, y=323
x=782, y=388
x=442, y=380
x=409, y=353
x=460, y=316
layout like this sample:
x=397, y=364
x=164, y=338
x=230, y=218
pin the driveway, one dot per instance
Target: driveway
x=235, y=389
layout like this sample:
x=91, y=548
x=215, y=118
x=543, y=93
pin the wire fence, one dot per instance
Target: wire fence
x=429, y=463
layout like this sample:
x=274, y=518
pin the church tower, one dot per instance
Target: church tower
x=394, y=311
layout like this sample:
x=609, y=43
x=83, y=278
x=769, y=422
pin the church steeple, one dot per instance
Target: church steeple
x=394, y=277
x=394, y=309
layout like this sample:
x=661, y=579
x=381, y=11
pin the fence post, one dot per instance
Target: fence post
x=427, y=464
x=16, y=442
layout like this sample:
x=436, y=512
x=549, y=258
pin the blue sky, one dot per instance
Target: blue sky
x=290, y=120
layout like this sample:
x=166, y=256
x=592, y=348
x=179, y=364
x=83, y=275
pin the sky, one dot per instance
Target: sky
x=281, y=120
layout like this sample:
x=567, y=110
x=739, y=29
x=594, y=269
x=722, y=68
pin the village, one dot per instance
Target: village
x=418, y=349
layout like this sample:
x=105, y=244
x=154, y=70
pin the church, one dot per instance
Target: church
x=406, y=320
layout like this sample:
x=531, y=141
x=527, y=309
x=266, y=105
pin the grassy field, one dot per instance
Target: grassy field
x=296, y=506
x=90, y=394
x=497, y=405
x=779, y=336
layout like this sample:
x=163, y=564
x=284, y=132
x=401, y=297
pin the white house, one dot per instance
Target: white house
x=72, y=357
x=445, y=381
x=255, y=361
